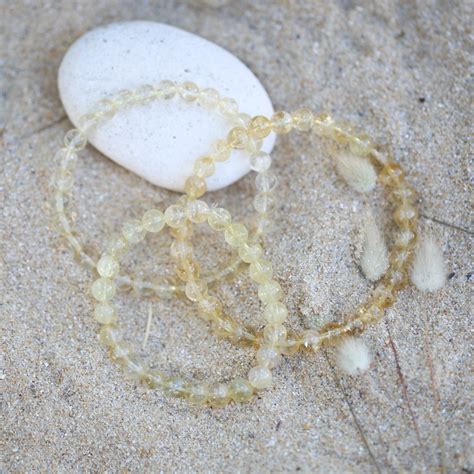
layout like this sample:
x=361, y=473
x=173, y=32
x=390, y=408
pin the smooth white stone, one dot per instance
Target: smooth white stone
x=161, y=140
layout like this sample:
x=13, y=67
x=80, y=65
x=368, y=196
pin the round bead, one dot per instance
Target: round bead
x=260, y=271
x=250, y=253
x=238, y=138
x=198, y=393
x=107, y=266
x=175, y=216
x=311, y=338
x=260, y=127
x=260, y=162
x=110, y=335
x=274, y=334
x=236, y=235
x=221, y=151
x=270, y=292
x=282, y=122
x=176, y=387
x=103, y=289
x=264, y=203
x=210, y=95
x=219, y=219
x=155, y=378
x=105, y=313
x=196, y=290
x=75, y=140
x=196, y=211
x=195, y=186
x=117, y=246
x=260, y=377
x=188, y=270
x=153, y=220
x=209, y=307
x=167, y=89
x=266, y=182
x=241, y=390
x=303, y=119
x=122, y=350
x=189, y=91
x=275, y=313
x=134, y=367
x=204, y=167
x=133, y=231
x=219, y=395
x=181, y=249
x=268, y=357
x=63, y=179
x=228, y=106
x=66, y=158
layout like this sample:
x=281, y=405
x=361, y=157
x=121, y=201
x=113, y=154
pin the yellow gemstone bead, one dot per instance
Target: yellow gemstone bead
x=361, y=146
x=241, y=390
x=176, y=387
x=188, y=270
x=195, y=186
x=107, y=266
x=260, y=162
x=274, y=334
x=250, y=253
x=302, y=119
x=155, y=378
x=185, y=232
x=282, y=122
x=228, y=106
x=181, y=249
x=238, y=138
x=204, y=167
x=134, y=367
x=222, y=151
x=167, y=89
x=405, y=214
x=270, y=292
x=219, y=395
x=260, y=271
x=264, y=203
x=391, y=174
x=175, y=216
x=75, y=140
x=196, y=290
x=260, y=127
x=63, y=180
x=153, y=220
x=210, y=95
x=209, y=308
x=198, y=393
x=197, y=211
x=122, y=350
x=268, y=357
x=189, y=91
x=236, y=235
x=105, y=313
x=266, y=182
x=117, y=246
x=260, y=377
x=133, y=231
x=219, y=219
x=276, y=313
x=103, y=289
x=110, y=335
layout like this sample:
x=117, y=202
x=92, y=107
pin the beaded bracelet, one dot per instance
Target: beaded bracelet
x=273, y=340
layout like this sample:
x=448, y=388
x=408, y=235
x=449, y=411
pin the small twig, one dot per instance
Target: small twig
x=148, y=326
x=405, y=394
x=447, y=224
x=354, y=417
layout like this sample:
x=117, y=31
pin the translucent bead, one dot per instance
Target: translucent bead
x=189, y=91
x=260, y=162
x=241, y=390
x=405, y=238
x=133, y=231
x=268, y=357
x=291, y=346
x=175, y=216
x=250, y=253
x=322, y=124
x=274, y=334
x=75, y=140
x=219, y=395
x=153, y=220
x=396, y=278
x=260, y=127
x=242, y=120
x=210, y=96
x=303, y=119
x=104, y=313
x=196, y=290
x=167, y=89
x=404, y=214
x=155, y=378
x=209, y=307
x=236, y=235
x=383, y=296
x=146, y=92
x=107, y=266
x=282, y=122
x=66, y=158
x=110, y=335
x=198, y=393
x=185, y=232
x=391, y=174
x=188, y=270
x=276, y=313
x=228, y=106
x=204, y=167
x=260, y=377
x=260, y=271
x=266, y=182
x=122, y=350
x=63, y=180
x=88, y=121
x=264, y=224
x=134, y=367
x=311, y=338
x=196, y=211
x=221, y=151
x=195, y=186
x=106, y=107
x=103, y=289
x=264, y=203
x=123, y=97
x=219, y=219
x=180, y=249
x=361, y=146
x=238, y=138
x=270, y=292
x=176, y=387
x=117, y=246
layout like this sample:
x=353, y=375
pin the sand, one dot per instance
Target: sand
x=398, y=70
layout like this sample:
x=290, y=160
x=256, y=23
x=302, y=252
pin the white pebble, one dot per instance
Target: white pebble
x=374, y=260
x=161, y=140
x=357, y=172
x=428, y=270
x=353, y=356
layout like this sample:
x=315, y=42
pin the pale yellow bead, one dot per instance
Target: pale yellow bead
x=196, y=211
x=260, y=162
x=260, y=271
x=266, y=182
x=242, y=120
x=103, y=289
x=66, y=158
x=268, y=357
x=134, y=367
x=107, y=266
x=236, y=235
x=311, y=338
x=176, y=387
x=175, y=216
x=250, y=253
x=181, y=249
x=274, y=334
x=63, y=180
x=228, y=106
x=270, y=292
x=117, y=246
x=219, y=395
x=75, y=140
x=241, y=390
x=260, y=377
x=198, y=393
x=153, y=220
x=204, y=167
x=167, y=89
x=105, y=313
x=155, y=378
x=196, y=290
x=219, y=219
x=110, y=335
x=303, y=119
x=238, y=138
x=185, y=232
x=133, y=231
x=188, y=269
x=209, y=307
x=121, y=350
x=221, y=151
x=210, y=96
x=189, y=91
x=195, y=186
x=260, y=127
x=264, y=203
x=282, y=122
